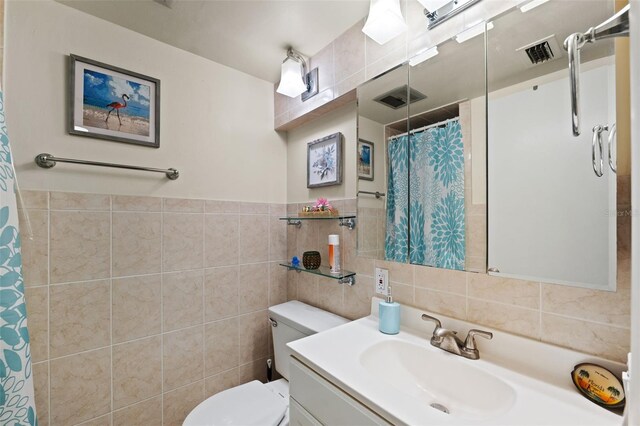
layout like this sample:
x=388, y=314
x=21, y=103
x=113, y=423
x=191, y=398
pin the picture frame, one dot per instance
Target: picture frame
x=324, y=161
x=112, y=103
x=365, y=160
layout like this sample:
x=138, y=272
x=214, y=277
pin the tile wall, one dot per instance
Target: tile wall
x=139, y=307
x=592, y=321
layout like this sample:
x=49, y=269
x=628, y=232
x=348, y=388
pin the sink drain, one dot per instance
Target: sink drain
x=440, y=407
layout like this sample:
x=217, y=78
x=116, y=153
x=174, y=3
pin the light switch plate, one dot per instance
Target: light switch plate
x=382, y=281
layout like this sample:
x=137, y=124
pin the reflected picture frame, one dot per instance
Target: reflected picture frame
x=324, y=161
x=365, y=160
x=112, y=103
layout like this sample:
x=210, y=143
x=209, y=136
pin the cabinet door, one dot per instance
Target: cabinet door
x=298, y=416
x=328, y=404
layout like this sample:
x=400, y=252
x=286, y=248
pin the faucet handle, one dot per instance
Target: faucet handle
x=470, y=342
x=426, y=317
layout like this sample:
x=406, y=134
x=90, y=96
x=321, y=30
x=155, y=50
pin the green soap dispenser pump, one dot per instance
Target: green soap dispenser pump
x=389, y=315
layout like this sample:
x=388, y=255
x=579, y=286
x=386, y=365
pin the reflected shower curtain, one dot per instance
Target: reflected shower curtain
x=17, y=404
x=435, y=197
x=396, y=246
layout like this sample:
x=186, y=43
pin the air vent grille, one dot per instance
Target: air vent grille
x=540, y=53
x=397, y=98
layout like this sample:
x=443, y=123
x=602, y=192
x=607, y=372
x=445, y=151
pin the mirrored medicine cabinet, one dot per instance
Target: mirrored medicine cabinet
x=475, y=166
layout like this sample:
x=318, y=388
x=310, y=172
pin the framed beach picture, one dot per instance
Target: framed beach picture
x=324, y=161
x=112, y=103
x=365, y=160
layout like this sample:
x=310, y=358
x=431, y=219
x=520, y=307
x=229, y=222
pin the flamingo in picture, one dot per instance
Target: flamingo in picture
x=117, y=106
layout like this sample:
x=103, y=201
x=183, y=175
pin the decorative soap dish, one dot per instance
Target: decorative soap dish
x=599, y=385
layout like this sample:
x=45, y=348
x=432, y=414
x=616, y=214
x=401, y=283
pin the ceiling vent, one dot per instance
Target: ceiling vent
x=397, y=98
x=541, y=51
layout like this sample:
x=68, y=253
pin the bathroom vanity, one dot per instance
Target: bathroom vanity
x=354, y=374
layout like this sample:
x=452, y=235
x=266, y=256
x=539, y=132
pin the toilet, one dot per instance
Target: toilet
x=257, y=403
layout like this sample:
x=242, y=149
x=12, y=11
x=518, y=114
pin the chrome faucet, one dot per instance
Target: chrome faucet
x=448, y=340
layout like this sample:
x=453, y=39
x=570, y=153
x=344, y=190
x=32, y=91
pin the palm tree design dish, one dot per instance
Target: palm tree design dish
x=614, y=392
x=584, y=379
x=117, y=106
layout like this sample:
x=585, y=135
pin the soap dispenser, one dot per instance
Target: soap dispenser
x=389, y=315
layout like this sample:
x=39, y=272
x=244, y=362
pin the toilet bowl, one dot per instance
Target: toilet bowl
x=257, y=403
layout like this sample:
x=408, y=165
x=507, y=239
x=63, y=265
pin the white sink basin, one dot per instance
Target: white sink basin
x=438, y=379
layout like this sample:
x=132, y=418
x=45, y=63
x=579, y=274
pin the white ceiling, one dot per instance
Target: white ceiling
x=251, y=36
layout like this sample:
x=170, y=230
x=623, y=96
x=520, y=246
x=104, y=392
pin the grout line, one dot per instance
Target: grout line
x=48, y=196
x=162, y=312
x=111, y=304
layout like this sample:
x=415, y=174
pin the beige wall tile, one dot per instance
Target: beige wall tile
x=41, y=389
x=357, y=298
x=182, y=354
x=100, y=421
x=277, y=239
x=307, y=288
x=592, y=305
x=256, y=370
x=220, y=292
x=398, y=272
x=37, y=299
x=80, y=317
x=254, y=336
x=221, y=381
x=253, y=287
x=307, y=238
x=136, y=371
x=80, y=246
x=221, y=240
x=439, y=302
x=254, y=238
x=136, y=203
x=505, y=290
x=137, y=239
x=278, y=210
x=441, y=279
x=292, y=286
x=375, y=51
x=28, y=199
x=221, y=346
x=136, y=307
x=402, y=293
x=513, y=319
x=182, y=298
x=145, y=413
x=277, y=284
x=598, y=339
x=330, y=294
x=182, y=205
x=477, y=235
x=391, y=60
x=182, y=241
x=214, y=206
x=77, y=201
x=80, y=387
x=349, y=53
x=177, y=404
x=253, y=208
x=323, y=60
x=35, y=246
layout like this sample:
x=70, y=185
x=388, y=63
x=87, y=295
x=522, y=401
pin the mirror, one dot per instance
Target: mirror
x=426, y=120
x=551, y=218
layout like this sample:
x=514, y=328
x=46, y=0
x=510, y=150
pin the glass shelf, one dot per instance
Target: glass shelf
x=349, y=221
x=343, y=277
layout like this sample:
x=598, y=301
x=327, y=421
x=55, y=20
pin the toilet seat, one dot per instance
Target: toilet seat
x=247, y=405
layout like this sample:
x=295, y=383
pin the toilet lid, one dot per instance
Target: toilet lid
x=245, y=405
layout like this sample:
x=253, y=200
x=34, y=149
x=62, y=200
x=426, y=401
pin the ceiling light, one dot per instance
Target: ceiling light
x=530, y=5
x=385, y=21
x=433, y=5
x=473, y=31
x=294, y=80
x=422, y=56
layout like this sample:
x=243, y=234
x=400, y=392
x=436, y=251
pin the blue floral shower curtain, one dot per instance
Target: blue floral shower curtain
x=435, y=226
x=17, y=404
x=396, y=246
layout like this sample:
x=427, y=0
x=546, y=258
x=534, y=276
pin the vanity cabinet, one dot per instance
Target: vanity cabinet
x=315, y=401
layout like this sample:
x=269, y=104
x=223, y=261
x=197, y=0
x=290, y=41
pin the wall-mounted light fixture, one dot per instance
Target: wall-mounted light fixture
x=531, y=5
x=294, y=79
x=473, y=31
x=385, y=21
x=438, y=11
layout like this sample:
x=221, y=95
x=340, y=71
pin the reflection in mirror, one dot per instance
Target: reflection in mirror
x=434, y=160
x=552, y=218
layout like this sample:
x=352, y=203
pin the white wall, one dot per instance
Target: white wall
x=342, y=120
x=373, y=131
x=216, y=122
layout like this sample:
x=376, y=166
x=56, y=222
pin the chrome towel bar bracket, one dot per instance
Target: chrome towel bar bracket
x=47, y=161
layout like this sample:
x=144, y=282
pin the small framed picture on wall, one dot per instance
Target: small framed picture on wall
x=365, y=160
x=324, y=161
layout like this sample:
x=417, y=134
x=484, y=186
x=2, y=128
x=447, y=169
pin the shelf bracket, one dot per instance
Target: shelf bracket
x=350, y=281
x=294, y=222
x=349, y=223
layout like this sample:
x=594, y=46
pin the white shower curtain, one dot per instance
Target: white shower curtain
x=17, y=403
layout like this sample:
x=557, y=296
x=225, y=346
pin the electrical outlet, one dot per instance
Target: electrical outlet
x=382, y=281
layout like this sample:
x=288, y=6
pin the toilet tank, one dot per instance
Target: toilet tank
x=292, y=321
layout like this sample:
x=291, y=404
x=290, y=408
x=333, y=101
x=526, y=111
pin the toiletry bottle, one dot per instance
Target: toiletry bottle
x=389, y=313
x=334, y=253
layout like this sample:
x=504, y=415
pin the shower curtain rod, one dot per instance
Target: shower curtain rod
x=420, y=129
